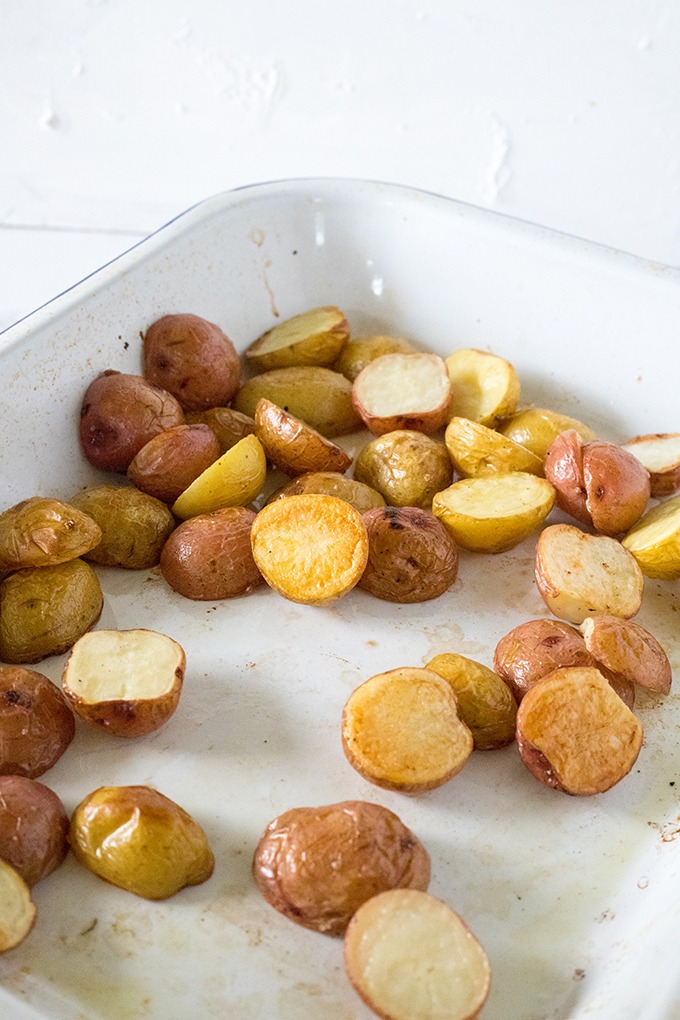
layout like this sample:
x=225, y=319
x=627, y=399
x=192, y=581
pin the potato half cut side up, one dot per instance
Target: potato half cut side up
x=17, y=910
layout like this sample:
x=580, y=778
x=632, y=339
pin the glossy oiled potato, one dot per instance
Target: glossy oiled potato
x=537, y=427
x=535, y=648
x=172, y=460
x=655, y=540
x=229, y=426
x=293, y=446
x=485, y=387
x=331, y=483
x=40, y=532
x=209, y=557
x=406, y=467
x=138, y=839
x=317, y=865
x=485, y=703
x=411, y=556
x=33, y=827
x=70, y=601
x=315, y=337
x=36, y=723
x=319, y=396
x=476, y=449
x=134, y=525
x=359, y=351
x=193, y=359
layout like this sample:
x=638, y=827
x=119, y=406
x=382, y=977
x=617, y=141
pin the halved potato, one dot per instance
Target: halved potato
x=493, y=513
x=537, y=427
x=315, y=337
x=629, y=651
x=476, y=449
x=229, y=425
x=484, y=387
x=401, y=730
x=210, y=557
x=33, y=827
x=403, y=391
x=358, y=351
x=655, y=541
x=292, y=446
x=580, y=575
x=39, y=532
x=660, y=454
x=233, y=480
x=125, y=681
x=17, y=910
x=485, y=703
x=332, y=483
x=411, y=957
x=319, y=396
x=535, y=648
x=172, y=460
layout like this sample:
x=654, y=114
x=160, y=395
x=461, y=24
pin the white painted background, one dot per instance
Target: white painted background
x=115, y=115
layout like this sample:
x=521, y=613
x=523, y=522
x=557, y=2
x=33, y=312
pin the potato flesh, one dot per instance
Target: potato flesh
x=17, y=911
x=402, y=384
x=484, y=386
x=476, y=449
x=660, y=454
x=233, y=480
x=655, y=541
x=123, y=665
x=315, y=337
x=410, y=957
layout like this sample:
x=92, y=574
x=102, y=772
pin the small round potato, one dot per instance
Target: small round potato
x=294, y=447
x=655, y=540
x=36, y=723
x=229, y=426
x=659, y=452
x=46, y=609
x=318, y=865
x=411, y=556
x=209, y=557
x=330, y=483
x=40, y=532
x=119, y=414
x=485, y=388
x=172, y=460
x=234, y=479
x=359, y=351
x=403, y=391
x=33, y=827
x=628, y=651
x=476, y=449
x=193, y=359
x=139, y=840
x=536, y=428
x=315, y=337
x=485, y=702
x=134, y=525
x=318, y=396
x=533, y=649
x=406, y=467
x=17, y=910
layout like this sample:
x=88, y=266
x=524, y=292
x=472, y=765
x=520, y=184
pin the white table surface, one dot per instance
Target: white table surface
x=115, y=115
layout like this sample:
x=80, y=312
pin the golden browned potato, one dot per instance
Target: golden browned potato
x=332, y=483
x=294, y=447
x=574, y=732
x=46, y=609
x=33, y=827
x=535, y=648
x=193, y=359
x=127, y=682
x=40, y=532
x=36, y=723
x=311, y=549
x=628, y=651
x=17, y=910
x=536, y=427
x=476, y=449
x=359, y=351
x=172, y=460
x=235, y=479
x=119, y=414
x=229, y=426
x=407, y=952
x=484, y=387
x=598, y=483
x=655, y=540
x=134, y=525
x=315, y=337
x=319, y=396
x=411, y=556
x=485, y=703
x=138, y=839
x=209, y=557
x=407, y=468
x=659, y=452
x=317, y=865
x=403, y=391
x=401, y=730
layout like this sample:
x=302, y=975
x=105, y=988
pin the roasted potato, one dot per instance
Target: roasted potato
x=485, y=388
x=229, y=425
x=315, y=337
x=406, y=467
x=138, y=839
x=318, y=865
x=655, y=540
x=411, y=556
x=332, y=483
x=659, y=453
x=359, y=351
x=36, y=723
x=119, y=414
x=476, y=449
x=403, y=391
x=294, y=447
x=172, y=460
x=209, y=557
x=235, y=479
x=44, y=610
x=33, y=827
x=40, y=532
x=628, y=651
x=319, y=396
x=17, y=910
x=134, y=525
x=536, y=428
x=530, y=651
x=193, y=359
x=485, y=703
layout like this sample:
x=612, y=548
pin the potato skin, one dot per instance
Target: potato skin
x=40, y=532
x=36, y=724
x=33, y=827
x=332, y=483
x=209, y=557
x=193, y=359
x=119, y=414
x=172, y=460
x=318, y=865
x=229, y=426
x=44, y=610
x=317, y=395
x=134, y=525
x=533, y=649
x=406, y=467
x=411, y=556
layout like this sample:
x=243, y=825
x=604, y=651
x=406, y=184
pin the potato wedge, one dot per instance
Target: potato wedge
x=537, y=427
x=484, y=387
x=411, y=957
x=294, y=447
x=629, y=651
x=17, y=910
x=403, y=391
x=359, y=351
x=476, y=450
x=315, y=337
x=580, y=575
x=407, y=468
x=655, y=541
x=401, y=730
x=233, y=480
x=310, y=548
x=485, y=703
x=40, y=532
x=319, y=396
x=172, y=460
x=493, y=513
x=660, y=454
x=331, y=483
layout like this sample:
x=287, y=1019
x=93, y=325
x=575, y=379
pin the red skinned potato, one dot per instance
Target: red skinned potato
x=530, y=651
x=628, y=651
x=172, y=460
x=193, y=359
x=403, y=391
x=293, y=446
x=659, y=452
x=33, y=827
x=119, y=414
x=36, y=723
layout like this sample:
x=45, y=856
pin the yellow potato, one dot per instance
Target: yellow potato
x=319, y=396
x=233, y=480
x=17, y=910
x=294, y=447
x=357, y=353
x=478, y=450
x=485, y=702
x=407, y=468
x=655, y=541
x=537, y=427
x=493, y=513
x=484, y=386
x=315, y=337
